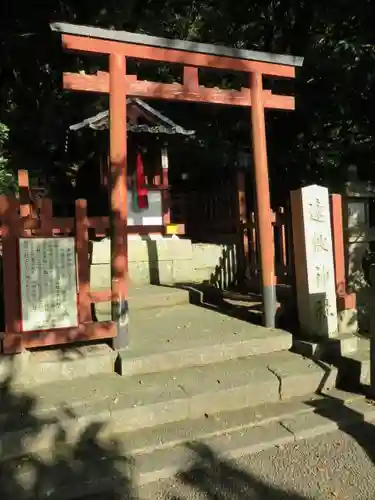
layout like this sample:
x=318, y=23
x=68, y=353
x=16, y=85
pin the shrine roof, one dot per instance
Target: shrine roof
x=182, y=45
x=157, y=122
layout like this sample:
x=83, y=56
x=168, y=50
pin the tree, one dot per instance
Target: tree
x=7, y=179
x=330, y=129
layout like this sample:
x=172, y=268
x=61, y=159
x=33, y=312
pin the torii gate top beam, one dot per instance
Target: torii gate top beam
x=189, y=54
x=216, y=56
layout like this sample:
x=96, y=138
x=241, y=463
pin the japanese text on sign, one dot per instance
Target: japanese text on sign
x=321, y=317
x=48, y=283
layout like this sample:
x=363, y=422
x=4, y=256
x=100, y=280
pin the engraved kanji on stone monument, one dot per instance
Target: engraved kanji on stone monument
x=315, y=274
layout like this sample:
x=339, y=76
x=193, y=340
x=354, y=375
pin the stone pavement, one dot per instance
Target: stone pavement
x=70, y=426
x=337, y=466
x=202, y=461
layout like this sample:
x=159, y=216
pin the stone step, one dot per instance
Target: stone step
x=350, y=353
x=158, y=398
x=161, y=340
x=31, y=417
x=188, y=335
x=54, y=365
x=96, y=465
x=147, y=297
x=354, y=369
x=326, y=349
x=233, y=444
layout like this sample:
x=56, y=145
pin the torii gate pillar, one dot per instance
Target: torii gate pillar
x=118, y=198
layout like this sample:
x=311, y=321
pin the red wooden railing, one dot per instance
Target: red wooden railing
x=18, y=221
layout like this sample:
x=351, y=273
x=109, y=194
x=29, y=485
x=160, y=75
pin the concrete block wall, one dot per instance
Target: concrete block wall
x=167, y=261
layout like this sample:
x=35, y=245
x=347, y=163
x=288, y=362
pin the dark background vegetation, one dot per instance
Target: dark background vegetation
x=331, y=129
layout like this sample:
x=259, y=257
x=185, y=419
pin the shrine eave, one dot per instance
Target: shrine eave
x=181, y=45
x=158, y=123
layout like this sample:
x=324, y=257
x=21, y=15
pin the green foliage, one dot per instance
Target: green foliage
x=7, y=180
x=331, y=128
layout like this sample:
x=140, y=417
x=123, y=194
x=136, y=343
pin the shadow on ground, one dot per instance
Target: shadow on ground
x=351, y=422
x=241, y=304
x=90, y=469
x=246, y=307
x=215, y=478
x=67, y=468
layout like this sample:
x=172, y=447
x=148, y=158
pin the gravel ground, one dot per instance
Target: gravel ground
x=337, y=466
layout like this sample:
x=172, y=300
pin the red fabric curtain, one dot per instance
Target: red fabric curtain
x=141, y=190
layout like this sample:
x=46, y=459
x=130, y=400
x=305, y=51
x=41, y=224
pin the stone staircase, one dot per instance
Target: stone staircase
x=349, y=353
x=190, y=374
x=354, y=366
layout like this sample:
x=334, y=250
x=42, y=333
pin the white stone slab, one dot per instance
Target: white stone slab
x=152, y=221
x=315, y=274
x=48, y=283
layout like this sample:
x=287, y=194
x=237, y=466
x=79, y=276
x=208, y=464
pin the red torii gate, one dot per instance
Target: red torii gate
x=119, y=45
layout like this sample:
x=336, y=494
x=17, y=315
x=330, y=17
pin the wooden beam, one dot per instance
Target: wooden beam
x=175, y=91
x=191, y=79
x=148, y=53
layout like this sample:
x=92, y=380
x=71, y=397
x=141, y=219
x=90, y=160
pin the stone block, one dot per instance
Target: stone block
x=144, y=273
x=308, y=348
x=327, y=349
x=173, y=249
x=101, y=251
x=43, y=367
x=315, y=276
x=344, y=345
x=176, y=355
x=88, y=367
x=164, y=274
x=210, y=255
x=183, y=271
x=139, y=273
x=299, y=376
x=203, y=274
x=100, y=276
x=12, y=366
x=309, y=425
x=207, y=254
x=103, y=311
x=140, y=250
x=348, y=321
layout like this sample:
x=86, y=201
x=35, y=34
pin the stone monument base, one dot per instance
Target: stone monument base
x=348, y=321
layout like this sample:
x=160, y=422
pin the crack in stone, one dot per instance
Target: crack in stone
x=274, y=372
x=183, y=389
x=285, y=427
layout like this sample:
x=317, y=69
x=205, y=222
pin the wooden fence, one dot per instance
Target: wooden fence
x=18, y=221
x=25, y=217
x=221, y=215
x=284, y=264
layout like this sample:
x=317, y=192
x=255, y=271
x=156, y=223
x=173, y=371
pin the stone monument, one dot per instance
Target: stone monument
x=314, y=263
